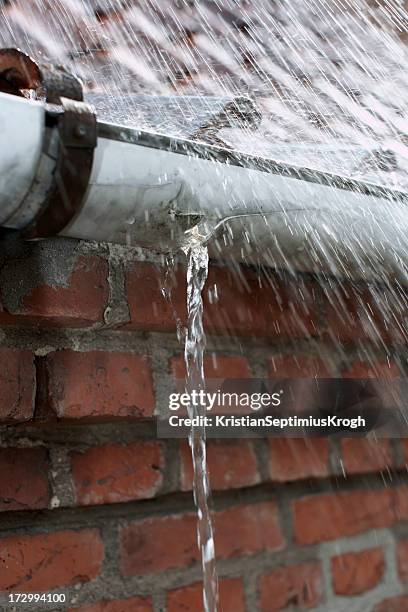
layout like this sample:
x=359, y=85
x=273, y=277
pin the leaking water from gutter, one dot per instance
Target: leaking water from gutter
x=197, y=271
x=325, y=75
x=195, y=250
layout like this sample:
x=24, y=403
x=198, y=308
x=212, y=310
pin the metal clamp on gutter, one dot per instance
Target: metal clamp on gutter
x=22, y=76
x=77, y=141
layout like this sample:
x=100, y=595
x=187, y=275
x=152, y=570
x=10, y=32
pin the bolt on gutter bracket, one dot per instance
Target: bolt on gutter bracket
x=77, y=131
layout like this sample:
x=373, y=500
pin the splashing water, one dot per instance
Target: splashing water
x=323, y=71
x=197, y=270
x=329, y=76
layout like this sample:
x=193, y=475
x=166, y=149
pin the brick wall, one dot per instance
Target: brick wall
x=94, y=506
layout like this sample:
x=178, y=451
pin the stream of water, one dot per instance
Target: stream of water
x=197, y=270
x=329, y=77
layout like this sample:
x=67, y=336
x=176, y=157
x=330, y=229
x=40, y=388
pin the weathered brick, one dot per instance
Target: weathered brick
x=330, y=516
x=231, y=465
x=354, y=573
x=299, y=365
x=24, y=479
x=17, y=385
x=361, y=455
x=237, y=309
x=402, y=559
x=400, y=503
x=352, y=313
x=148, y=308
x=77, y=299
x=298, y=458
x=379, y=369
x=190, y=598
x=244, y=307
x=115, y=473
x=46, y=561
x=161, y=543
x=133, y=604
x=99, y=385
x=404, y=447
x=157, y=544
x=393, y=604
x=245, y=530
x=297, y=587
x=251, y=305
x=215, y=366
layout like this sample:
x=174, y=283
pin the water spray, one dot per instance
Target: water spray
x=65, y=171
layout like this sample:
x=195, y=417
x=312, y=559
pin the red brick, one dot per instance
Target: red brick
x=352, y=313
x=79, y=302
x=393, y=305
x=300, y=365
x=404, y=446
x=231, y=465
x=237, y=309
x=190, y=598
x=330, y=516
x=393, y=604
x=134, y=604
x=295, y=587
x=362, y=455
x=298, y=458
x=157, y=544
x=99, y=385
x=148, y=308
x=23, y=478
x=380, y=369
x=400, y=503
x=17, y=385
x=115, y=473
x=245, y=530
x=402, y=558
x=356, y=572
x=215, y=366
x=244, y=306
x=250, y=306
x=161, y=543
x=46, y=561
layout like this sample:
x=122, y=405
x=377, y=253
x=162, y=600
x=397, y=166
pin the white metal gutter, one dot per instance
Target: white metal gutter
x=147, y=189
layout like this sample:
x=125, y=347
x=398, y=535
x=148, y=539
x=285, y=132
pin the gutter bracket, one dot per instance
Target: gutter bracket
x=77, y=129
